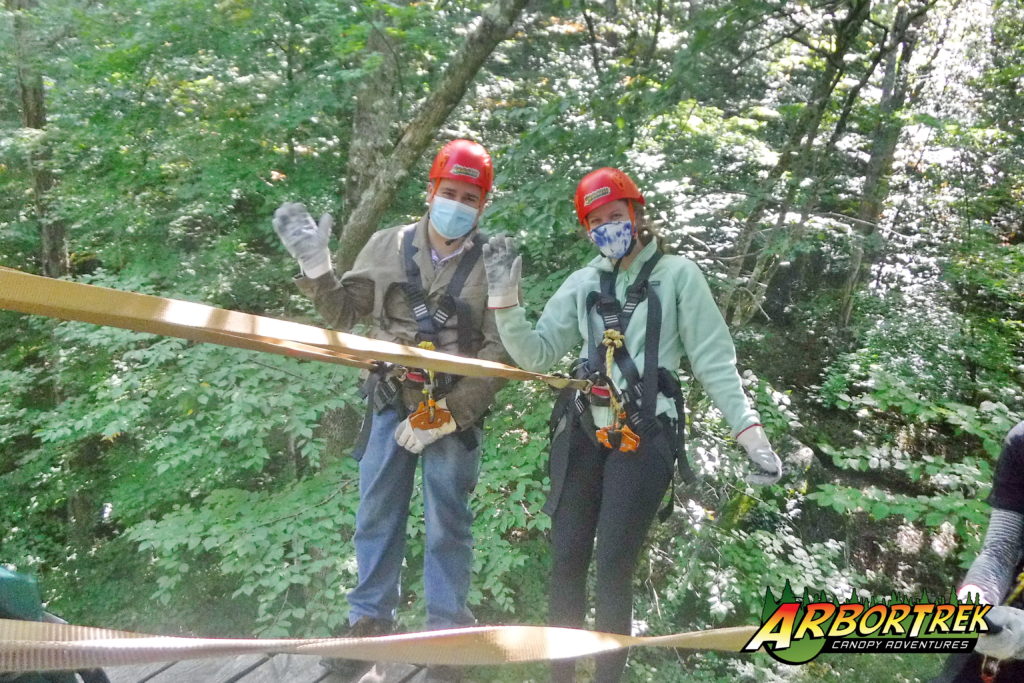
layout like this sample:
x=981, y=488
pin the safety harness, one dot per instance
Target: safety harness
x=429, y=323
x=634, y=408
x=384, y=383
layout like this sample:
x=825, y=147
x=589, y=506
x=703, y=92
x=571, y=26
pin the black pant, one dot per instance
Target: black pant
x=613, y=496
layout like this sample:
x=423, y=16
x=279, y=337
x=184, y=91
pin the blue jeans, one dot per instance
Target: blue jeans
x=386, y=474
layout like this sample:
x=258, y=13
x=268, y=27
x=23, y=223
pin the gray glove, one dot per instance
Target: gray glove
x=305, y=240
x=767, y=465
x=1006, y=638
x=504, y=267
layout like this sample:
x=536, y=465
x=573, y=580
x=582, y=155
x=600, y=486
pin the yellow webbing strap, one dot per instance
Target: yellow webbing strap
x=38, y=295
x=34, y=646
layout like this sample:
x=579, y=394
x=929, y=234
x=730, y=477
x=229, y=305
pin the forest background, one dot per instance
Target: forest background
x=847, y=174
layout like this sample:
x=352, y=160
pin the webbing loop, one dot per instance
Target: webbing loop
x=37, y=295
x=37, y=646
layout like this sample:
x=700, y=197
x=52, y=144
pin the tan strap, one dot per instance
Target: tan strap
x=66, y=300
x=35, y=646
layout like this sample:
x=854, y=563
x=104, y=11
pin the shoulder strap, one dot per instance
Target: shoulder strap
x=636, y=292
x=451, y=301
x=465, y=267
x=614, y=316
x=652, y=338
x=429, y=323
x=413, y=287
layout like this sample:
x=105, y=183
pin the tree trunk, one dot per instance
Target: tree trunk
x=768, y=262
x=895, y=85
x=54, y=254
x=494, y=25
x=376, y=110
x=742, y=301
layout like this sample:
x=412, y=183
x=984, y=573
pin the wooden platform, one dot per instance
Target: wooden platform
x=259, y=669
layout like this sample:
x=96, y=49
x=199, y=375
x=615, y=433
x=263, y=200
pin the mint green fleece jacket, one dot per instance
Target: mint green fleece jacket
x=691, y=324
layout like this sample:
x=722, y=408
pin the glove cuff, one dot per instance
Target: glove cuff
x=503, y=300
x=317, y=265
x=753, y=438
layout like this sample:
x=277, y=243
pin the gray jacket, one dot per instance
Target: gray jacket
x=372, y=291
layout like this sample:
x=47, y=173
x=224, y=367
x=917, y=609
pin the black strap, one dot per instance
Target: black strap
x=641, y=413
x=651, y=343
x=454, y=289
x=668, y=384
x=641, y=394
x=574, y=404
x=429, y=323
x=363, y=438
x=381, y=390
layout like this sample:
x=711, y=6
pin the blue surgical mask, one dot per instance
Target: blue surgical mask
x=450, y=218
x=613, y=239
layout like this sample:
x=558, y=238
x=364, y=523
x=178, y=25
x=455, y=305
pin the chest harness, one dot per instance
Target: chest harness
x=384, y=385
x=634, y=408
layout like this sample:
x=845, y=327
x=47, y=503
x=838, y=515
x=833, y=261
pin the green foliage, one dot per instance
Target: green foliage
x=283, y=553
x=212, y=482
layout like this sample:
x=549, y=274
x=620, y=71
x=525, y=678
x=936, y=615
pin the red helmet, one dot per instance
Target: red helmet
x=604, y=185
x=464, y=160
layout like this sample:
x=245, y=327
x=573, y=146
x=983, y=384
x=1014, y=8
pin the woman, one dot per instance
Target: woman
x=636, y=311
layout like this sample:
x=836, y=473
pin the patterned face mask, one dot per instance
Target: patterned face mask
x=450, y=218
x=613, y=239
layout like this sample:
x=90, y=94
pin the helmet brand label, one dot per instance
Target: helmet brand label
x=591, y=197
x=459, y=169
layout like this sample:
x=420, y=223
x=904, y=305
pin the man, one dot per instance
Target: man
x=419, y=284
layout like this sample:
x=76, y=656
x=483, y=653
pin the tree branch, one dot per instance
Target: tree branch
x=594, y=57
x=493, y=27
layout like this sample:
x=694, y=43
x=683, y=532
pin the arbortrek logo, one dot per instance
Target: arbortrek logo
x=459, y=169
x=590, y=197
x=795, y=631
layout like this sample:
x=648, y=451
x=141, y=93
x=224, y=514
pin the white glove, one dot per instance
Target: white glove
x=305, y=240
x=1008, y=641
x=415, y=440
x=767, y=465
x=504, y=267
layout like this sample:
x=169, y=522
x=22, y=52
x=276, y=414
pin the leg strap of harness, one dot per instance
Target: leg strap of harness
x=669, y=385
x=381, y=391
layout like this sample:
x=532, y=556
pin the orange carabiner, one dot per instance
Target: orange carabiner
x=624, y=439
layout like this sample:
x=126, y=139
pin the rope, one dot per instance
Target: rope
x=35, y=646
x=613, y=339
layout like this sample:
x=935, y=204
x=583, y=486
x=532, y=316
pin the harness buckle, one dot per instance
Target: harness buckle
x=600, y=391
